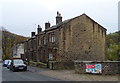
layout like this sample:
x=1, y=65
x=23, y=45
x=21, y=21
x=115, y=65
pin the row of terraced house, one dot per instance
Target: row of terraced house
x=78, y=38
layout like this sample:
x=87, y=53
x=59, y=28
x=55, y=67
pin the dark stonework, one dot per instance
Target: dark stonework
x=79, y=38
x=54, y=65
x=108, y=67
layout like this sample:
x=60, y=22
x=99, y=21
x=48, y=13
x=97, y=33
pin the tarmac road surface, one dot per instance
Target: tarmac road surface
x=8, y=75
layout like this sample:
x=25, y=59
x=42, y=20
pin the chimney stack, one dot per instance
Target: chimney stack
x=39, y=29
x=32, y=34
x=47, y=25
x=58, y=18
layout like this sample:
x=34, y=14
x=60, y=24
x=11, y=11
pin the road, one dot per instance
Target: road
x=8, y=75
x=42, y=74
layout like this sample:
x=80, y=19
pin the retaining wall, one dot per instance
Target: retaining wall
x=38, y=64
x=107, y=67
x=61, y=65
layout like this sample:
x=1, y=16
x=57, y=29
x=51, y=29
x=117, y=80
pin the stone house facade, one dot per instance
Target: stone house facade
x=17, y=51
x=79, y=38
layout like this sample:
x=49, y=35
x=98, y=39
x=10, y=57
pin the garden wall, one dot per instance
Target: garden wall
x=107, y=67
x=61, y=65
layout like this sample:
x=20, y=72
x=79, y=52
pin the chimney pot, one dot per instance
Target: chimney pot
x=39, y=29
x=47, y=25
x=58, y=18
x=32, y=34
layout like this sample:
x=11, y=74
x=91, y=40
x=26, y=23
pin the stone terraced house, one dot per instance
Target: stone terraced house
x=78, y=38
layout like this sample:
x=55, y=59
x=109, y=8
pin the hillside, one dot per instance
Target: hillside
x=113, y=46
x=9, y=40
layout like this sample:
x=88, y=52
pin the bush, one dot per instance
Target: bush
x=113, y=52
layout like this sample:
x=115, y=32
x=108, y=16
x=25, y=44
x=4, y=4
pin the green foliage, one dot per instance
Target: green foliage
x=112, y=52
x=6, y=57
x=112, y=38
x=113, y=46
x=8, y=41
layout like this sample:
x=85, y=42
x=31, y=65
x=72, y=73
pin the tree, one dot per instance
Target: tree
x=113, y=46
x=8, y=41
x=113, y=52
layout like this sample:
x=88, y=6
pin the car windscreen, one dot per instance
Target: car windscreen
x=18, y=61
x=6, y=61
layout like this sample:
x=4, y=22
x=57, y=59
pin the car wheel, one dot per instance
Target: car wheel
x=13, y=69
x=25, y=69
x=10, y=68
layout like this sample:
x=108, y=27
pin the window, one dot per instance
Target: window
x=44, y=40
x=50, y=56
x=18, y=61
x=34, y=42
x=39, y=42
x=52, y=37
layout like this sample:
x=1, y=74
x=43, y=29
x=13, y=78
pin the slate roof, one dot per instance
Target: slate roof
x=66, y=21
x=59, y=24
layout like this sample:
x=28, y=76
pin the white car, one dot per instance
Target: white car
x=17, y=64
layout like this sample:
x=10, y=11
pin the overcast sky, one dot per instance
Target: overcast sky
x=23, y=16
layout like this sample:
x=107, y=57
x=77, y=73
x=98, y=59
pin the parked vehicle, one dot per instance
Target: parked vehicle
x=8, y=65
x=17, y=64
x=5, y=62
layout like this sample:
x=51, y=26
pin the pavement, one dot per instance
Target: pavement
x=69, y=75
